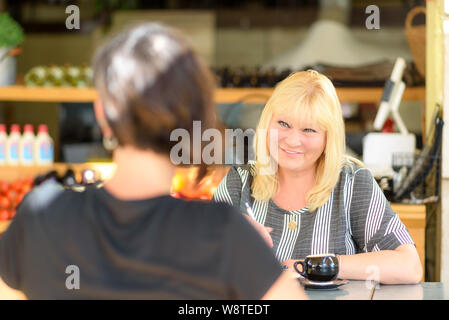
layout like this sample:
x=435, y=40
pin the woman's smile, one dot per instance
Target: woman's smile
x=292, y=153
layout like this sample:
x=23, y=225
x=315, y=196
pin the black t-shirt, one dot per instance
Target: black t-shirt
x=158, y=248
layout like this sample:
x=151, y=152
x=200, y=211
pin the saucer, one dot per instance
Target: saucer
x=328, y=285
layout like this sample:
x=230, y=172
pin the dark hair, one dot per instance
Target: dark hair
x=151, y=82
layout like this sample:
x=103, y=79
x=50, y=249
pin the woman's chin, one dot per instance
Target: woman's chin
x=290, y=165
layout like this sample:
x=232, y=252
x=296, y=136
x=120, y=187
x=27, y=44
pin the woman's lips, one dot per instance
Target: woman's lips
x=292, y=153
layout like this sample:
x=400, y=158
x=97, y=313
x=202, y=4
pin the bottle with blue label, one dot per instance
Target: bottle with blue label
x=12, y=145
x=3, y=144
x=43, y=146
x=26, y=147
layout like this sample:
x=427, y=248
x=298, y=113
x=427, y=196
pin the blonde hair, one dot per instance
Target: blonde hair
x=306, y=95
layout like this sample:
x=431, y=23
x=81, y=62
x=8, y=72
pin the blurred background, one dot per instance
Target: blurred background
x=233, y=37
x=249, y=45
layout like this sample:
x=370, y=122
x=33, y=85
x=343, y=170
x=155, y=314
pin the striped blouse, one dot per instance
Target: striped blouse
x=356, y=218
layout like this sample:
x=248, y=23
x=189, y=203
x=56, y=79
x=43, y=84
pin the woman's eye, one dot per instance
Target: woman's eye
x=309, y=130
x=284, y=124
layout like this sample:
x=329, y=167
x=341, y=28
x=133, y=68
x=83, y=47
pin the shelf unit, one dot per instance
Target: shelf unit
x=47, y=94
x=222, y=95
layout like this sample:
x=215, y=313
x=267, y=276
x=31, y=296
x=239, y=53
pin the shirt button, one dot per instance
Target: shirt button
x=292, y=225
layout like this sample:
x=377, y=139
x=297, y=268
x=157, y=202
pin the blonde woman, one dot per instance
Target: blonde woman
x=310, y=197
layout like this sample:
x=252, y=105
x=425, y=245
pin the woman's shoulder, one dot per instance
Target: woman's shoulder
x=242, y=173
x=243, y=169
x=354, y=169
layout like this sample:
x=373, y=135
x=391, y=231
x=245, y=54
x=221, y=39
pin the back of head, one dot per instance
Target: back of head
x=150, y=83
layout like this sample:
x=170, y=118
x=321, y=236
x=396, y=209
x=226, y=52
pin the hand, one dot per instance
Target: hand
x=261, y=229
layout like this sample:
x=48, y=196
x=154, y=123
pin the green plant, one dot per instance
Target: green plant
x=11, y=33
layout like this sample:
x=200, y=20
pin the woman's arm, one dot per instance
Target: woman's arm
x=386, y=251
x=286, y=287
x=7, y=293
x=398, y=266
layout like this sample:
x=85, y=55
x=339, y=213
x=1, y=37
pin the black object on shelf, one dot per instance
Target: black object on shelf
x=68, y=179
x=422, y=181
x=369, y=75
x=244, y=77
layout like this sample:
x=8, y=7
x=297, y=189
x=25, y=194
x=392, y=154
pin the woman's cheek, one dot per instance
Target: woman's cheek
x=273, y=146
x=271, y=142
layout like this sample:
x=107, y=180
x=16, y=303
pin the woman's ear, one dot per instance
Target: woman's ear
x=101, y=119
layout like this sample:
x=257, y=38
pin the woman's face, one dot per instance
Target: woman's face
x=295, y=147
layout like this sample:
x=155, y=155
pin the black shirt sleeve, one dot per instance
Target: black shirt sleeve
x=13, y=245
x=252, y=266
x=11, y=251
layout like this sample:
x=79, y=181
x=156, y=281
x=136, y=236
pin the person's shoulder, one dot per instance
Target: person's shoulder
x=238, y=176
x=205, y=207
x=242, y=169
x=356, y=172
x=41, y=199
x=210, y=212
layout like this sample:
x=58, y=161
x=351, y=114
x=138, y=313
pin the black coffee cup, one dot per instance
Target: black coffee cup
x=323, y=267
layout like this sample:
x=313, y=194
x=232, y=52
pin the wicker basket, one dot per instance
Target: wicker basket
x=416, y=37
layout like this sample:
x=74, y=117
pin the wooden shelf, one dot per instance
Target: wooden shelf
x=222, y=95
x=360, y=95
x=47, y=94
x=12, y=173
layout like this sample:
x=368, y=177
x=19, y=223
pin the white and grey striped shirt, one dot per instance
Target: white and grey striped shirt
x=356, y=218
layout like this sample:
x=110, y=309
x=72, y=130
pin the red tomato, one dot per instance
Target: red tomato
x=205, y=197
x=190, y=192
x=19, y=198
x=28, y=180
x=4, y=214
x=175, y=194
x=5, y=203
x=17, y=185
x=4, y=187
x=12, y=194
x=26, y=188
x=12, y=213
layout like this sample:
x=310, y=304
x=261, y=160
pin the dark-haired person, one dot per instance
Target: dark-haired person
x=130, y=239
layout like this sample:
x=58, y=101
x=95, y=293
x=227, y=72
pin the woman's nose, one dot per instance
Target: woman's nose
x=294, y=138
